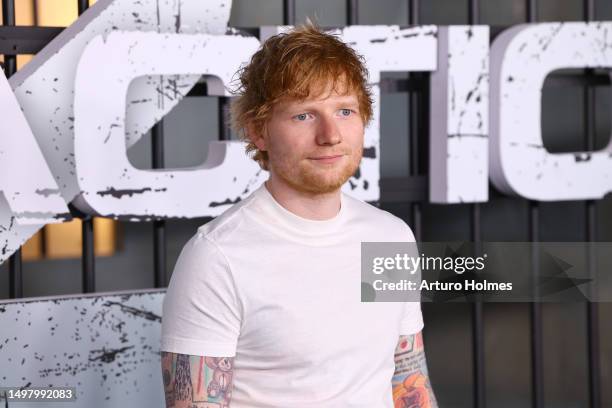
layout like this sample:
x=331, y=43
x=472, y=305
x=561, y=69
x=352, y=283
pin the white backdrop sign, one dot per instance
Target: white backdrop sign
x=101, y=85
x=106, y=346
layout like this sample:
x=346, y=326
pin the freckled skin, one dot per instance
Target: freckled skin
x=326, y=128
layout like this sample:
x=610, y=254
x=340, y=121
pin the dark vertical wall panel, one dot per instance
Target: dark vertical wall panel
x=15, y=264
x=562, y=117
x=444, y=12
x=560, y=10
x=391, y=12
x=394, y=146
x=590, y=233
x=88, y=259
x=603, y=9
x=189, y=130
x=256, y=13
x=507, y=355
x=535, y=310
x=131, y=267
x=503, y=218
x=602, y=116
x=562, y=221
x=502, y=12
x=328, y=13
x=565, y=352
x=4, y=282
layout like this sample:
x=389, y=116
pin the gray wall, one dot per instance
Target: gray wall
x=447, y=332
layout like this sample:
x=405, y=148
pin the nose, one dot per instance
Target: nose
x=328, y=132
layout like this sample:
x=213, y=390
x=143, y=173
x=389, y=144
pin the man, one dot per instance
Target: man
x=263, y=307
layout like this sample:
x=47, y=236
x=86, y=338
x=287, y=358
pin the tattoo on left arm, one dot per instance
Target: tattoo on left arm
x=197, y=381
x=411, y=385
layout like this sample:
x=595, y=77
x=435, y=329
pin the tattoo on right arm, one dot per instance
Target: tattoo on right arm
x=209, y=386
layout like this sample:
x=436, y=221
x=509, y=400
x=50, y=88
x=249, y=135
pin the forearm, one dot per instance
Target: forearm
x=196, y=381
x=411, y=385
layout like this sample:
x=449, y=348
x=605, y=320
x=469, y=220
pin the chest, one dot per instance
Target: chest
x=306, y=310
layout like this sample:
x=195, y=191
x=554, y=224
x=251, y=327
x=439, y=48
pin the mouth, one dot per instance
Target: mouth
x=327, y=159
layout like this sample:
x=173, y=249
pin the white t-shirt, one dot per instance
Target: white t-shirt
x=282, y=294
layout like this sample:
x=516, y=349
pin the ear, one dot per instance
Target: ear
x=257, y=138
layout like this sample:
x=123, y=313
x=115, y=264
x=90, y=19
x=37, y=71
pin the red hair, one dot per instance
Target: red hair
x=295, y=65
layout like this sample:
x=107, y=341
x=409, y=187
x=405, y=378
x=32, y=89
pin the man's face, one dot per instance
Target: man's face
x=315, y=145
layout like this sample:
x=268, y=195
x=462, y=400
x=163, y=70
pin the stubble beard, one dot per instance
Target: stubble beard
x=317, y=179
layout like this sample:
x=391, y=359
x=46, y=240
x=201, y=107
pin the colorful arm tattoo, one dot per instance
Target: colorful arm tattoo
x=196, y=381
x=411, y=386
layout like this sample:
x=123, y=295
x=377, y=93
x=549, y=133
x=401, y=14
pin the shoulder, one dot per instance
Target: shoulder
x=227, y=223
x=389, y=225
x=198, y=251
x=204, y=246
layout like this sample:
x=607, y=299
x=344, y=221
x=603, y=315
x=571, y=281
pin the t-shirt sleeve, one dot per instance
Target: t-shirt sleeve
x=412, y=321
x=201, y=313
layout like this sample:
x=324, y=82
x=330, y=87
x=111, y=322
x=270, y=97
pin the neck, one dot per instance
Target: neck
x=309, y=205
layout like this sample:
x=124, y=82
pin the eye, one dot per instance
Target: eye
x=301, y=117
x=346, y=112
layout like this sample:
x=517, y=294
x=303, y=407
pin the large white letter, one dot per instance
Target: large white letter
x=521, y=58
x=459, y=117
x=110, y=185
x=29, y=189
x=29, y=196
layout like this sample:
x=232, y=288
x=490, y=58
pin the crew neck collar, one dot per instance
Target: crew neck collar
x=295, y=225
